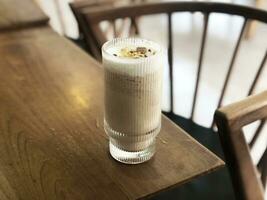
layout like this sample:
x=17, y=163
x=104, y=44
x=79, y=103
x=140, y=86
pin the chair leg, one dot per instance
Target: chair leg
x=134, y=29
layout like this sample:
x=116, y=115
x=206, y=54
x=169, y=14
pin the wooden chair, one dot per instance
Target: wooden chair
x=86, y=38
x=230, y=121
x=92, y=17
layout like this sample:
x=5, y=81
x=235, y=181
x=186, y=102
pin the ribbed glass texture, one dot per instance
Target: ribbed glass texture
x=133, y=89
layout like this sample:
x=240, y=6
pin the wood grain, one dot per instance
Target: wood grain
x=52, y=142
x=15, y=14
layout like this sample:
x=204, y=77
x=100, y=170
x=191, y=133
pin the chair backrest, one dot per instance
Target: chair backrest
x=230, y=120
x=93, y=16
x=85, y=30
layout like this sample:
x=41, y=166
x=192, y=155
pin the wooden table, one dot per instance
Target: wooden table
x=52, y=142
x=15, y=14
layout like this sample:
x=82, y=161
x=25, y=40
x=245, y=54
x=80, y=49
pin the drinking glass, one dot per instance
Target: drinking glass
x=133, y=89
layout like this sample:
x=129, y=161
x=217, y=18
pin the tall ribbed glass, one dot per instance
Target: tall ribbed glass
x=133, y=88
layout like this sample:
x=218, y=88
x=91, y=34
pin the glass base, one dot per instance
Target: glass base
x=131, y=157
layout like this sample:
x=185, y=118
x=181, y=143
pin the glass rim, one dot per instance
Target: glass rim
x=130, y=40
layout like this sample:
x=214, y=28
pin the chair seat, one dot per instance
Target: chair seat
x=216, y=185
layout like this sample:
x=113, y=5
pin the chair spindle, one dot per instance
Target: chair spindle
x=252, y=88
x=257, y=133
x=170, y=58
x=200, y=61
x=263, y=168
x=232, y=62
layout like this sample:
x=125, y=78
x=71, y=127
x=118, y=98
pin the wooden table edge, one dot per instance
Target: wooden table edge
x=187, y=180
x=220, y=161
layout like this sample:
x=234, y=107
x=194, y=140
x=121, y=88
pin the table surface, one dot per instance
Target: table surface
x=16, y=14
x=52, y=142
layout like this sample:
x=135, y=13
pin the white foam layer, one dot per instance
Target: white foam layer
x=131, y=66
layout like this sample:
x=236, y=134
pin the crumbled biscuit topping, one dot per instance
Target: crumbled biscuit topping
x=138, y=52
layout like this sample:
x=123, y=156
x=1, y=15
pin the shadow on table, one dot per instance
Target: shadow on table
x=212, y=186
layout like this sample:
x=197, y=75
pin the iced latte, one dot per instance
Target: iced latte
x=133, y=84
